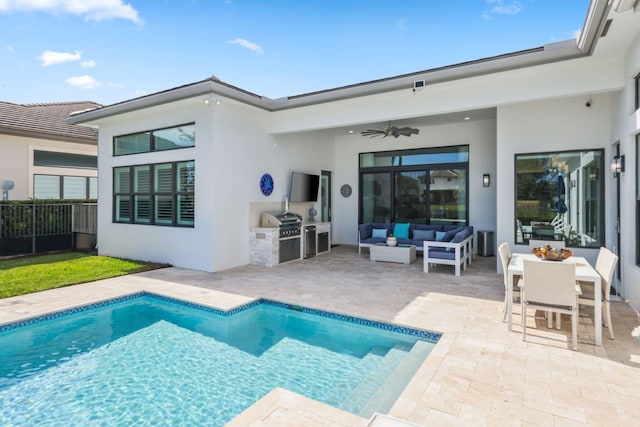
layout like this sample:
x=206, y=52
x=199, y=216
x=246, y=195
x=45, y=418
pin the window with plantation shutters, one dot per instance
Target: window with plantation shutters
x=62, y=187
x=185, y=178
x=122, y=194
x=164, y=193
x=156, y=194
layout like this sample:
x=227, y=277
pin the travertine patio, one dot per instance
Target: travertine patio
x=478, y=374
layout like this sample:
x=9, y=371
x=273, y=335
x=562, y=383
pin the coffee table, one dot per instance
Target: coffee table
x=402, y=254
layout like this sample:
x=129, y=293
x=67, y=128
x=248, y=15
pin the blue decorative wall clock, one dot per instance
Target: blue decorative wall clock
x=266, y=184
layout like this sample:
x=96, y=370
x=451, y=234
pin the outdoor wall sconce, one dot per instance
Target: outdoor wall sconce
x=486, y=180
x=617, y=165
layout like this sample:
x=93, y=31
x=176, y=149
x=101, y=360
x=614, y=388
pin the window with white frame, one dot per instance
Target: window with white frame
x=64, y=187
x=155, y=194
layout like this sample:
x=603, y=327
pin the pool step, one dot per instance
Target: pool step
x=367, y=388
x=352, y=380
x=386, y=395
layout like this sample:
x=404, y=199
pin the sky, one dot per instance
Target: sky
x=108, y=51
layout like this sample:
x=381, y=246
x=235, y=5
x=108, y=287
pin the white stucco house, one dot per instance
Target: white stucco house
x=42, y=156
x=181, y=168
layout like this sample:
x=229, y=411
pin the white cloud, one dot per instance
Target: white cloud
x=247, y=44
x=88, y=64
x=91, y=10
x=49, y=57
x=502, y=7
x=83, y=82
x=115, y=85
x=8, y=49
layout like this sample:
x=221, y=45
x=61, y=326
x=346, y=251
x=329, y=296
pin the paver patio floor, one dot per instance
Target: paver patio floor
x=479, y=373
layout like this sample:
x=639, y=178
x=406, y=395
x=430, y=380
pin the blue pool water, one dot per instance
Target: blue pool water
x=150, y=360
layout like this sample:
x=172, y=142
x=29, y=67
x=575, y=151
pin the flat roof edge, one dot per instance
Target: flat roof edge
x=200, y=88
x=549, y=53
x=537, y=56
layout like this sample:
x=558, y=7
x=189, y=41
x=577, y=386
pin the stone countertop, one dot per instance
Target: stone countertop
x=263, y=229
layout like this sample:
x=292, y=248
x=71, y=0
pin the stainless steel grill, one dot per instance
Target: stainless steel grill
x=288, y=223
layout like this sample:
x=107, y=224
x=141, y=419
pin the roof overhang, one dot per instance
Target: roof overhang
x=554, y=52
x=30, y=133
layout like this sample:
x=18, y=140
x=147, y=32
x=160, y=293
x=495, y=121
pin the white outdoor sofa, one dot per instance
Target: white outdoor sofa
x=458, y=254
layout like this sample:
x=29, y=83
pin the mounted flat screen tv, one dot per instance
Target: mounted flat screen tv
x=304, y=187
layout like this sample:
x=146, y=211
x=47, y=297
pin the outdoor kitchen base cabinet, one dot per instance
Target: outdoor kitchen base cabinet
x=268, y=249
x=289, y=249
x=270, y=246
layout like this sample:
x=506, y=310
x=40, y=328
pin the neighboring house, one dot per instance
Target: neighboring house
x=181, y=168
x=43, y=155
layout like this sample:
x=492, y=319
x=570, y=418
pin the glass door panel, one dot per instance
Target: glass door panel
x=448, y=196
x=376, y=197
x=410, y=197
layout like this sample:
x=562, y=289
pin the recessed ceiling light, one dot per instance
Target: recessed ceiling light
x=350, y=131
x=467, y=118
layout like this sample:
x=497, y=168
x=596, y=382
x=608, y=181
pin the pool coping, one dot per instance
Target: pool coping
x=423, y=334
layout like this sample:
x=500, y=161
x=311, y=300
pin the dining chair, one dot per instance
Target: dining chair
x=552, y=287
x=505, y=257
x=533, y=243
x=605, y=266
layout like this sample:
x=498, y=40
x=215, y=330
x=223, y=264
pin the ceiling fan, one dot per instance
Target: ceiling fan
x=390, y=131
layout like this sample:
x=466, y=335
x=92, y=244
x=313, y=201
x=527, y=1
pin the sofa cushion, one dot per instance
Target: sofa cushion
x=424, y=235
x=441, y=254
x=379, y=233
x=449, y=235
x=453, y=228
x=434, y=227
x=459, y=237
x=365, y=231
x=373, y=240
x=401, y=230
x=445, y=236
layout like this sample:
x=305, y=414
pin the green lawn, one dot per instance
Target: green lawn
x=38, y=273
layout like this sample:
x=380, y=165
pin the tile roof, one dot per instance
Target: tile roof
x=47, y=121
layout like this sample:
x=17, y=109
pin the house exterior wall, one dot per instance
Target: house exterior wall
x=626, y=121
x=546, y=126
x=479, y=135
x=232, y=151
x=16, y=162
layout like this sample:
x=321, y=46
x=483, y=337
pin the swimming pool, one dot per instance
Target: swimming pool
x=146, y=359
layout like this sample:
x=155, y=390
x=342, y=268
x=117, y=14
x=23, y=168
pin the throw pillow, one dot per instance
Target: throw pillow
x=401, y=231
x=459, y=237
x=379, y=233
x=440, y=235
x=449, y=235
x=424, y=235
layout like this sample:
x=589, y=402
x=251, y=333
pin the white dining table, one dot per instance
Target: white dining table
x=584, y=272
